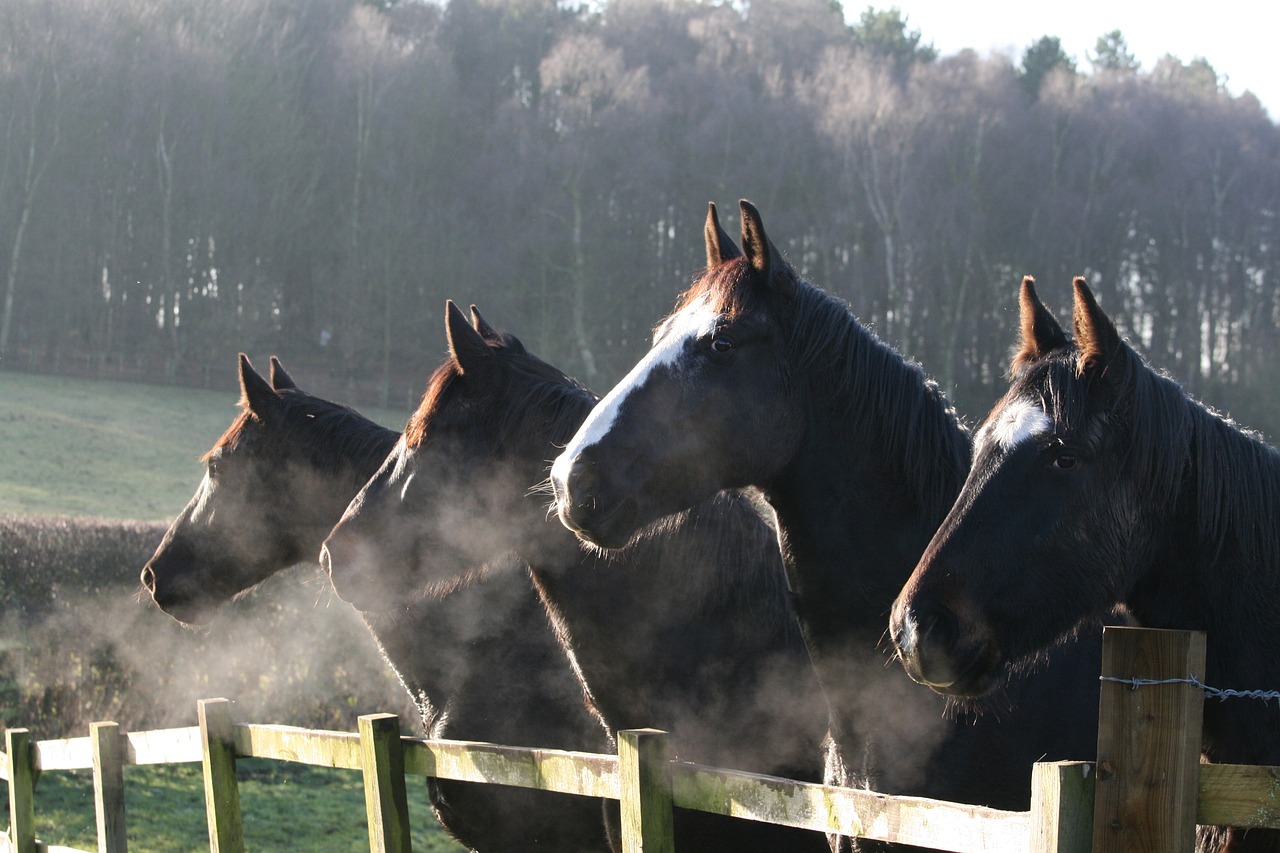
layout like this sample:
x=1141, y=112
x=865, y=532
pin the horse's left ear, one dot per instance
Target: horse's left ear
x=720, y=246
x=481, y=325
x=1096, y=337
x=1041, y=333
x=254, y=390
x=763, y=256
x=280, y=380
x=467, y=348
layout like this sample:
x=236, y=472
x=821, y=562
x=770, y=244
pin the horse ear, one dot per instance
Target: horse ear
x=481, y=325
x=762, y=254
x=720, y=246
x=280, y=380
x=1041, y=333
x=255, y=393
x=466, y=347
x=1096, y=337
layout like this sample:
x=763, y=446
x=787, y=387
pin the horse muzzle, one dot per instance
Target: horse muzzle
x=582, y=507
x=937, y=653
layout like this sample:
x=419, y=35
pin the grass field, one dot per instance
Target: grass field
x=284, y=807
x=125, y=451
x=109, y=449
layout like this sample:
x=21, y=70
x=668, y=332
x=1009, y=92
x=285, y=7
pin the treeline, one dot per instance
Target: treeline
x=182, y=179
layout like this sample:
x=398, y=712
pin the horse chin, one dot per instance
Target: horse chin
x=194, y=613
x=974, y=678
x=608, y=531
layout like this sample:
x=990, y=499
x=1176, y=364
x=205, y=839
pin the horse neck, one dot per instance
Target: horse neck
x=881, y=462
x=1214, y=563
x=481, y=663
x=694, y=608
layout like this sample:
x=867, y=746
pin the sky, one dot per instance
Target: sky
x=1237, y=37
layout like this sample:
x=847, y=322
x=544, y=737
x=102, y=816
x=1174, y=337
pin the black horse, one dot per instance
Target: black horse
x=1097, y=480
x=481, y=663
x=759, y=378
x=687, y=629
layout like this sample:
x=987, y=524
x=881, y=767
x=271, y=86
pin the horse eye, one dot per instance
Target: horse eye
x=721, y=344
x=1065, y=461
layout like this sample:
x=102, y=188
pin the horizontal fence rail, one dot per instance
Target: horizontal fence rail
x=1062, y=818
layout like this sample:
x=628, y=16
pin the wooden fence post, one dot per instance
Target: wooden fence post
x=385, y=799
x=22, y=790
x=1062, y=807
x=221, y=791
x=1148, y=772
x=108, y=786
x=644, y=771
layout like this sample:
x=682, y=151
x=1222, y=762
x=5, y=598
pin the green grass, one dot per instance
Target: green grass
x=109, y=449
x=283, y=806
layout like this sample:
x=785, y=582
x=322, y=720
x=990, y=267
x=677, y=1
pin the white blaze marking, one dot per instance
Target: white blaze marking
x=695, y=320
x=1021, y=420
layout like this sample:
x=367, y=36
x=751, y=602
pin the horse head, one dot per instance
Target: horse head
x=454, y=494
x=1051, y=519
x=708, y=408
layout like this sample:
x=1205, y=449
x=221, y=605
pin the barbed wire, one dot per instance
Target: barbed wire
x=1209, y=692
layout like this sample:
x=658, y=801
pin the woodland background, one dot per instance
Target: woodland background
x=183, y=179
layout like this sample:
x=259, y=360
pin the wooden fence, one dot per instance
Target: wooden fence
x=1146, y=791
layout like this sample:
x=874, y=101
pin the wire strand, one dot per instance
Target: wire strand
x=1210, y=692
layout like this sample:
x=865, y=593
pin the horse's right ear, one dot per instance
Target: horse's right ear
x=255, y=393
x=1041, y=333
x=720, y=246
x=280, y=380
x=763, y=256
x=466, y=347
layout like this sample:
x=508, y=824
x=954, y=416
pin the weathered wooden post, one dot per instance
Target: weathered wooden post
x=108, y=786
x=1062, y=807
x=1148, y=741
x=385, y=799
x=221, y=791
x=644, y=770
x=22, y=790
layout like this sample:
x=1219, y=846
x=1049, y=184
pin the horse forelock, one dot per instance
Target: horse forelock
x=724, y=288
x=438, y=385
x=231, y=437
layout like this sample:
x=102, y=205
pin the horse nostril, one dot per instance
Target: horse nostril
x=581, y=480
x=927, y=641
x=326, y=561
x=149, y=578
x=939, y=630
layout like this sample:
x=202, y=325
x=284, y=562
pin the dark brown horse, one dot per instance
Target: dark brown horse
x=1097, y=480
x=759, y=378
x=688, y=628
x=481, y=663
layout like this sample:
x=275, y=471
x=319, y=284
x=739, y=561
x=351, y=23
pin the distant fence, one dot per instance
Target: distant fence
x=1146, y=791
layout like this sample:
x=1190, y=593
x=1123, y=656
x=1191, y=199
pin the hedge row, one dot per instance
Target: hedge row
x=80, y=641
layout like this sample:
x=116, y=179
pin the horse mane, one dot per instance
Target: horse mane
x=337, y=434
x=735, y=537
x=1178, y=444
x=888, y=402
